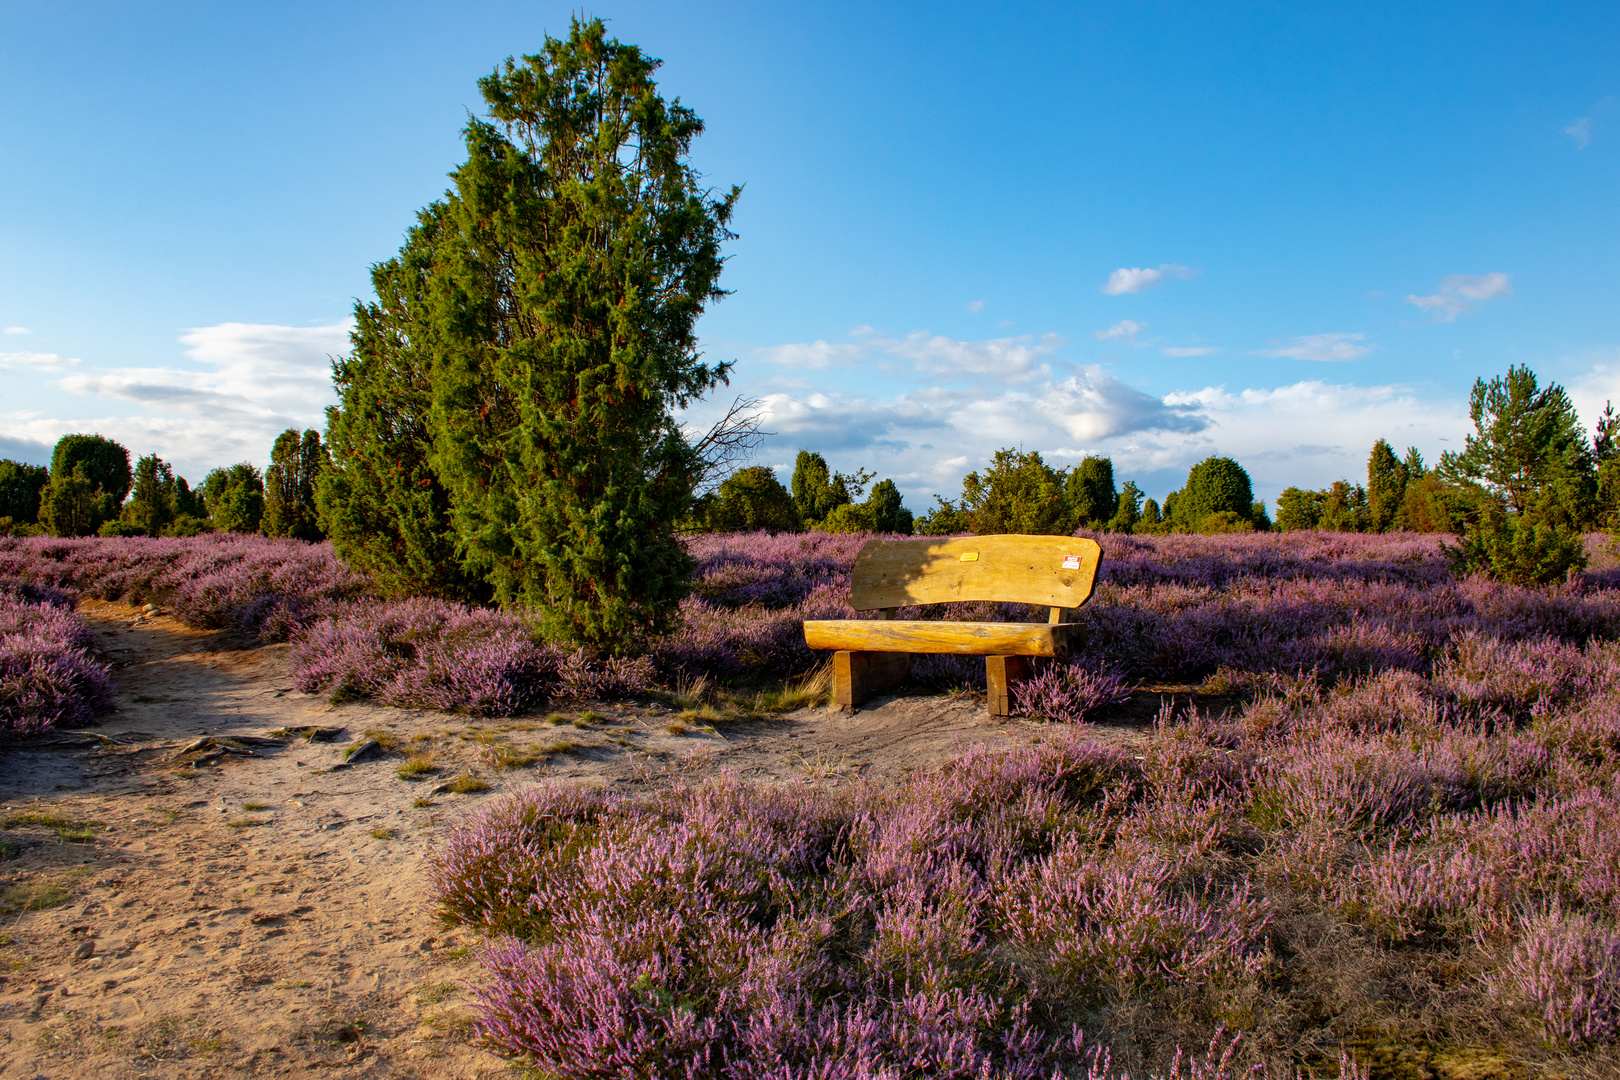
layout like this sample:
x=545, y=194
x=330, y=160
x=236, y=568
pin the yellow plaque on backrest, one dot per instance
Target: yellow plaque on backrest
x=1049, y=571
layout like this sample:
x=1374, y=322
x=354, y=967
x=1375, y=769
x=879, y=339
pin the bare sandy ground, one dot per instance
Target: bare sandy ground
x=264, y=913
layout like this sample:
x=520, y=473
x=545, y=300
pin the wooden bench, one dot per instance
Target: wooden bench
x=874, y=655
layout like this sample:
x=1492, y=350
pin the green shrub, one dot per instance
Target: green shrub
x=1517, y=550
x=20, y=488
x=752, y=498
x=1214, y=485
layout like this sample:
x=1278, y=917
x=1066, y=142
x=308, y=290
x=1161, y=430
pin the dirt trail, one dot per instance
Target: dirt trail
x=267, y=912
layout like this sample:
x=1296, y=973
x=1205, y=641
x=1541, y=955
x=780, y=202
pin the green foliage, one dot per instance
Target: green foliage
x=1127, y=508
x=1091, y=494
x=289, y=485
x=1604, y=444
x=105, y=464
x=753, y=498
x=1214, y=485
x=1386, y=486
x=945, y=519
x=1344, y=508
x=888, y=513
x=1018, y=493
x=1517, y=549
x=1528, y=451
x=1152, y=520
x=235, y=498
x=1299, y=508
x=121, y=527
x=380, y=500
x=812, y=487
x=72, y=505
x=151, y=506
x=1431, y=506
x=1225, y=521
x=8, y=527
x=882, y=512
x=20, y=489
x=574, y=255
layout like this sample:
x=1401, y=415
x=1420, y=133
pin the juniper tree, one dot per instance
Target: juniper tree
x=380, y=500
x=579, y=250
x=1091, y=493
x=1214, y=485
x=289, y=485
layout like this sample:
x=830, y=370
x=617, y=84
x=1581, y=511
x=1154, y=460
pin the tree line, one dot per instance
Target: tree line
x=91, y=489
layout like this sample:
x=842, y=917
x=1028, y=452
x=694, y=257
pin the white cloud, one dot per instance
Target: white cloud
x=1323, y=347
x=45, y=362
x=1093, y=405
x=1460, y=293
x=1189, y=350
x=1135, y=279
x=247, y=383
x=947, y=358
x=975, y=306
x=933, y=355
x=17, y=330
x=814, y=356
x=1124, y=330
x=1581, y=132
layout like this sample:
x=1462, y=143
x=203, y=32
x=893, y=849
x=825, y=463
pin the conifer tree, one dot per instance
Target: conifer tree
x=289, y=485
x=1091, y=492
x=380, y=500
x=1386, y=486
x=578, y=252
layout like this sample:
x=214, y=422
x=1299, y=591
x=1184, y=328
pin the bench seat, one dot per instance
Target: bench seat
x=871, y=656
x=941, y=636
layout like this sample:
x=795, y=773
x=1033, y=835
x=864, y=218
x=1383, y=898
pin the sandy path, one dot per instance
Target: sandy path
x=269, y=915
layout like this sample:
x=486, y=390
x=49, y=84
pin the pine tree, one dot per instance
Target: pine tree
x=1527, y=451
x=753, y=498
x=1386, y=486
x=1018, y=493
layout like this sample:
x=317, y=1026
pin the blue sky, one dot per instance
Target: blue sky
x=1153, y=231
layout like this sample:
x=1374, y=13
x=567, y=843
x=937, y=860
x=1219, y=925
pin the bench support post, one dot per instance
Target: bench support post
x=860, y=676
x=1000, y=673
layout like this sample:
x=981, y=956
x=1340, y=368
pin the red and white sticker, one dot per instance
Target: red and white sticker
x=1071, y=562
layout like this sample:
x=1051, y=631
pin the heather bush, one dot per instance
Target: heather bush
x=215, y=581
x=1414, y=768
x=720, y=930
x=48, y=676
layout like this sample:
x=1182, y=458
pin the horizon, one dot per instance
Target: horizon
x=1276, y=235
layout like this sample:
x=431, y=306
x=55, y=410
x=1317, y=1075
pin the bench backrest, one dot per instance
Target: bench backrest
x=1050, y=571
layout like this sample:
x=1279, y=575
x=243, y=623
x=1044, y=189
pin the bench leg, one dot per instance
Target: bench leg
x=860, y=676
x=1000, y=673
